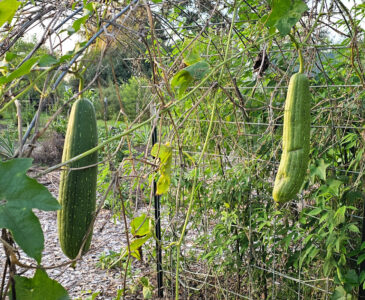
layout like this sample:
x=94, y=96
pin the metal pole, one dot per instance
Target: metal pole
x=157, y=226
x=362, y=265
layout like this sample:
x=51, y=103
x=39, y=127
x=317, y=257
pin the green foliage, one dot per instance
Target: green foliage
x=7, y=141
x=26, y=73
x=19, y=194
x=141, y=225
x=142, y=230
x=285, y=14
x=110, y=260
x=134, y=95
x=40, y=287
x=8, y=9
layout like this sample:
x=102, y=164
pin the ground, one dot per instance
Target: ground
x=87, y=277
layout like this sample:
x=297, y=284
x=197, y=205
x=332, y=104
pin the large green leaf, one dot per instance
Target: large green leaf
x=192, y=54
x=285, y=14
x=26, y=230
x=198, y=70
x=340, y=294
x=8, y=9
x=22, y=70
x=183, y=79
x=19, y=194
x=47, y=60
x=163, y=184
x=40, y=287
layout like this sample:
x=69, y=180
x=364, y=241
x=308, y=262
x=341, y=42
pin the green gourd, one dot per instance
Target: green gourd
x=77, y=193
x=296, y=140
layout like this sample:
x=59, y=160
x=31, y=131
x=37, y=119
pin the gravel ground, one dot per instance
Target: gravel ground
x=87, y=277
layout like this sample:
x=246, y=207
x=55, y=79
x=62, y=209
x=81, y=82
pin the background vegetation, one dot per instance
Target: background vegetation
x=211, y=77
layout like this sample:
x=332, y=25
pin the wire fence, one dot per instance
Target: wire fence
x=327, y=133
x=238, y=245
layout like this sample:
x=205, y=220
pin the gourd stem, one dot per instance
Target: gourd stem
x=301, y=61
x=297, y=46
x=81, y=85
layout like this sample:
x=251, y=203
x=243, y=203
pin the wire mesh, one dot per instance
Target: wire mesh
x=237, y=244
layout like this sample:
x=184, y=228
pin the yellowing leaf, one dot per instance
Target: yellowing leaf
x=163, y=184
x=141, y=225
x=164, y=153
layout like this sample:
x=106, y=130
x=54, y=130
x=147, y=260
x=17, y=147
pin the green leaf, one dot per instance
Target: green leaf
x=65, y=57
x=341, y=294
x=361, y=258
x=40, y=287
x=8, y=9
x=285, y=14
x=161, y=151
x=77, y=24
x=352, y=277
x=9, y=56
x=19, y=194
x=144, y=281
x=315, y=211
x=353, y=228
x=47, y=60
x=340, y=215
x=198, y=70
x=182, y=80
x=25, y=228
x=191, y=55
x=328, y=266
x=164, y=152
x=319, y=169
x=334, y=186
x=22, y=70
x=142, y=224
x=362, y=277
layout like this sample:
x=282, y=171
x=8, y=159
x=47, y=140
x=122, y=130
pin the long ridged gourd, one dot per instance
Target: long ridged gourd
x=77, y=194
x=296, y=140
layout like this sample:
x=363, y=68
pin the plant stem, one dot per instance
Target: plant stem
x=165, y=109
x=30, y=86
x=314, y=24
x=191, y=201
x=297, y=46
